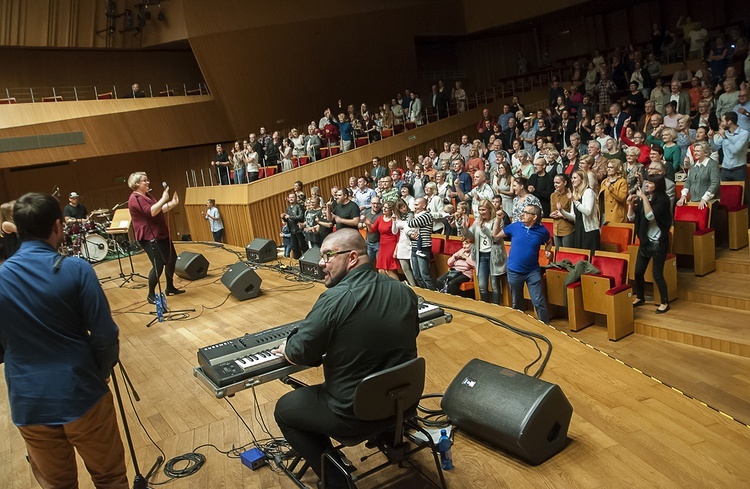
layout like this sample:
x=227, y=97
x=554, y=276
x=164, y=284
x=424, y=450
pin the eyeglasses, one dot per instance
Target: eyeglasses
x=326, y=257
x=528, y=213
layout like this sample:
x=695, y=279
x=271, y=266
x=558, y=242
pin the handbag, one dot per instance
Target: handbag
x=650, y=249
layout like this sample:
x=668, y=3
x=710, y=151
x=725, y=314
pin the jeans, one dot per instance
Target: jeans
x=565, y=241
x=217, y=235
x=534, y=281
x=483, y=275
x=420, y=267
x=239, y=176
x=372, y=252
x=252, y=176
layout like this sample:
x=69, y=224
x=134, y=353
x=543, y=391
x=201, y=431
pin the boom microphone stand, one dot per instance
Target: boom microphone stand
x=139, y=481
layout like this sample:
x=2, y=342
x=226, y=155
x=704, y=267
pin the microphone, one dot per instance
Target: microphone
x=164, y=185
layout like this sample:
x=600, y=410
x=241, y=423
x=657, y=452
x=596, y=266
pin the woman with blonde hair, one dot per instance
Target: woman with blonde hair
x=563, y=228
x=586, y=165
x=614, y=193
x=633, y=168
x=585, y=213
x=489, y=253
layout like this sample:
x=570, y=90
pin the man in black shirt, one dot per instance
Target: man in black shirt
x=345, y=212
x=74, y=211
x=221, y=163
x=364, y=323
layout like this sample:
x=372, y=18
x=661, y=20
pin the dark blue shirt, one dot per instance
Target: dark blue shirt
x=464, y=180
x=346, y=130
x=57, y=336
x=524, y=247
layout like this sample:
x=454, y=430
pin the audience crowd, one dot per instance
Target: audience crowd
x=582, y=161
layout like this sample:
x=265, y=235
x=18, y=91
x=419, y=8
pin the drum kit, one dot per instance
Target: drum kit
x=89, y=239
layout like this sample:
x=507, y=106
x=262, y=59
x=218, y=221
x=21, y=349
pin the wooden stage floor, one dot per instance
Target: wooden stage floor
x=628, y=430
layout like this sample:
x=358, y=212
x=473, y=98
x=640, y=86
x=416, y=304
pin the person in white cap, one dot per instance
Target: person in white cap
x=75, y=211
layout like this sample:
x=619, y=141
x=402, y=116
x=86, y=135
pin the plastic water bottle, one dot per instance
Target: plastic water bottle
x=444, y=447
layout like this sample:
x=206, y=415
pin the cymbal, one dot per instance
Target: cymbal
x=99, y=212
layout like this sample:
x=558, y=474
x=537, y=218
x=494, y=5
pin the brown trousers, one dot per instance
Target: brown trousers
x=95, y=435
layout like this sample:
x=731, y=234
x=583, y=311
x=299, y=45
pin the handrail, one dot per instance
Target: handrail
x=93, y=92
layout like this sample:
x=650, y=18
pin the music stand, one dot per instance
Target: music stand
x=119, y=226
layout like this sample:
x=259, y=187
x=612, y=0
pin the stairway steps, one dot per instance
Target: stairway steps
x=706, y=326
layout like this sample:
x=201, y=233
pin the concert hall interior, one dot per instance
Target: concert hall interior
x=658, y=408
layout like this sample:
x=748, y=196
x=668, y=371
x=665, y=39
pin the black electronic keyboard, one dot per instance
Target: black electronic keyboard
x=231, y=366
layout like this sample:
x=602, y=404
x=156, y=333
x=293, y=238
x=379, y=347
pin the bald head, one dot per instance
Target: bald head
x=347, y=239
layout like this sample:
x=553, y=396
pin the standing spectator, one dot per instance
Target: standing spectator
x=733, y=141
x=703, y=183
x=727, y=100
x=421, y=242
x=489, y=251
x=346, y=214
x=527, y=235
x=541, y=185
x=718, y=59
x=250, y=158
x=401, y=228
x=272, y=151
x=213, y=217
x=221, y=163
x=372, y=235
x=605, y=88
x=650, y=210
x=459, y=95
x=238, y=164
x=346, y=131
x=58, y=343
x=295, y=219
x=415, y=109
x=313, y=144
x=659, y=96
x=562, y=228
x=387, y=263
x=614, y=194
x=742, y=109
x=585, y=213
x=313, y=213
x=522, y=198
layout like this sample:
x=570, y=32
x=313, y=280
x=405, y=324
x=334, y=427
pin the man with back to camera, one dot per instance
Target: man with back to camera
x=59, y=344
x=364, y=323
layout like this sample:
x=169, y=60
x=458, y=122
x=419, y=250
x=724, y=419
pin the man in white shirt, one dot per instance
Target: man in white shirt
x=480, y=191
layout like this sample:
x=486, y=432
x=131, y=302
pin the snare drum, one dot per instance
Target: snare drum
x=72, y=228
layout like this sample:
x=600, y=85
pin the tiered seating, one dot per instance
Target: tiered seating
x=55, y=98
x=694, y=237
x=607, y=294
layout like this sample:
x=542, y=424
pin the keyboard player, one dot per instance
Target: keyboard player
x=364, y=323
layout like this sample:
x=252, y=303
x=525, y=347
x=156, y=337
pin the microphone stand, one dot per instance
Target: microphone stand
x=161, y=300
x=139, y=481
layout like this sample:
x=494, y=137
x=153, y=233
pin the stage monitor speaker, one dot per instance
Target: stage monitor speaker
x=308, y=264
x=191, y=266
x=261, y=250
x=522, y=415
x=242, y=281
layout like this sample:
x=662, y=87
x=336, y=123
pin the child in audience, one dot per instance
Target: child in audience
x=286, y=239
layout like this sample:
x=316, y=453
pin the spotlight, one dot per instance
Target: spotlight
x=160, y=16
x=147, y=15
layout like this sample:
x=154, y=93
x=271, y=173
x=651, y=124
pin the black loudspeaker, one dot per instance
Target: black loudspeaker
x=261, y=250
x=242, y=281
x=522, y=415
x=191, y=266
x=308, y=264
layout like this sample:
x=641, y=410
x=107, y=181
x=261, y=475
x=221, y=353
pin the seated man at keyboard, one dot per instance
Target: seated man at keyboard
x=364, y=323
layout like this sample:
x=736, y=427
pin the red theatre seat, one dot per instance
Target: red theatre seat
x=732, y=202
x=693, y=236
x=555, y=277
x=607, y=294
